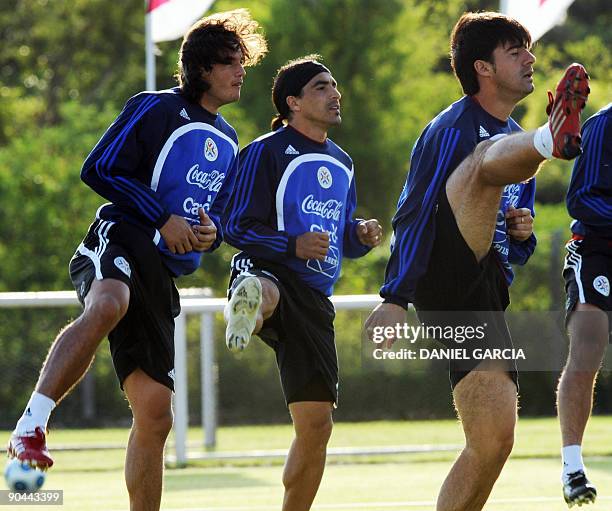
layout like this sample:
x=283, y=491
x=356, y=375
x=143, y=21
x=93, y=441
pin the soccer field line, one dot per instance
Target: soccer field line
x=389, y=505
x=331, y=452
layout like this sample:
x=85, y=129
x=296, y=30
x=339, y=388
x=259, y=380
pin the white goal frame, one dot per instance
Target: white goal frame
x=193, y=301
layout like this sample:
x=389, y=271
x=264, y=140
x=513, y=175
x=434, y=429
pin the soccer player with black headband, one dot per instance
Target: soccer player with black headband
x=291, y=215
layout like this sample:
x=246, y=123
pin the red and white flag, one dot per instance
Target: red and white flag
x=538, y=16
x=170, y=19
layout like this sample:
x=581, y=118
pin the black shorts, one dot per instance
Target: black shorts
x=144, y=338
x=587, y=273
x=459, y=292
x=301, y=332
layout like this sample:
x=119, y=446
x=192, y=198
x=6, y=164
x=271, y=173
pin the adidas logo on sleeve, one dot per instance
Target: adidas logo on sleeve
x=291, y=150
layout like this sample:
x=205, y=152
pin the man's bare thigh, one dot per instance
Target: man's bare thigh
x=486, y=401
x=474, y=204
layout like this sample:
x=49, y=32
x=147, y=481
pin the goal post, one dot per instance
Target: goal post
x=193, y=301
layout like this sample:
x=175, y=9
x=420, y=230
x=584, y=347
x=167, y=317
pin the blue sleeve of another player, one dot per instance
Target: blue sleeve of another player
x=250, y=213
x=111, y=166
x=351, y=246
x=221, y=202
x=520, y=251
x=589, y=198
x=431, y=162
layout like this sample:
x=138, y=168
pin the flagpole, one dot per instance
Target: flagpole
x=149, y=50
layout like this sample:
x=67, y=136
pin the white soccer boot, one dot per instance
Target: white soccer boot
x=241, y=313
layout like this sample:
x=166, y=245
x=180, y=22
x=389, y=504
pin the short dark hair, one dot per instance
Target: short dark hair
x=475, y=37
x=289, y=81
x=213, y=40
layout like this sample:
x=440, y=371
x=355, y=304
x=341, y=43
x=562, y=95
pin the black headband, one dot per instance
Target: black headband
x=291, y=81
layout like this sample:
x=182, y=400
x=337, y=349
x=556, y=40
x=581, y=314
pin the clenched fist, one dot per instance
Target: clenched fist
x=369, y=232
x=312, y=245
x=206, y=232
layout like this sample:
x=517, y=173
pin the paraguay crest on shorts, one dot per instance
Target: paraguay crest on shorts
x=602, y=285
x=123, y=265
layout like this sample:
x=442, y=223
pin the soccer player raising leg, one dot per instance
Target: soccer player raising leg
x=457, y=229
x=160, y=218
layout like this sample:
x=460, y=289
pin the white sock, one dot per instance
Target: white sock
x=572, y=460
x=543, y=141
x=36, y=413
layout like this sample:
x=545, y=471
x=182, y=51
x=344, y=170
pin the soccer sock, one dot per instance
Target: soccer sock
x=543, y=141
x=572, y=460
x=36, y=413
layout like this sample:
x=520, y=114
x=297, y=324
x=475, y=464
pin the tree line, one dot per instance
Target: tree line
x=66, y=69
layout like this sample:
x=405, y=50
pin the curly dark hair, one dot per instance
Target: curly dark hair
x=475, y=37
x=213, y=40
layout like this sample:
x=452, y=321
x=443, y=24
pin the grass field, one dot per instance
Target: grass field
x=93, y=480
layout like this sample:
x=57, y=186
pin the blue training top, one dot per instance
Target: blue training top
x=164, y=155
x=288, y=185
x=589, y=198
x=445, y=142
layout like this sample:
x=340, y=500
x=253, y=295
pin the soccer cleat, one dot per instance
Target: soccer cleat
x=241, y=313
x=578, y=490
x=564, y=112
x=30, y=448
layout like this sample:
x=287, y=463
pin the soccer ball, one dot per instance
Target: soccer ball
x=22, y=478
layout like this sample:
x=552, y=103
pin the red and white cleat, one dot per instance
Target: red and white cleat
x=564, y=112
x=30, y=448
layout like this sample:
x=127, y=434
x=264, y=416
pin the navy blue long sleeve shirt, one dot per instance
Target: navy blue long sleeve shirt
x=287, y=185
x=445, y=142
x=589, y=198
x=164, y=155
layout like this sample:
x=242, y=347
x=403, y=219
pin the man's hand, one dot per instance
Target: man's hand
x=312, y=245
x=369, y=232
x=383, y=316
x=206, y=232
x=519, y=223
x=178, y=235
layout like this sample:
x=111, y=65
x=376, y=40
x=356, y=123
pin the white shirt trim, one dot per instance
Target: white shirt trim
x=282, y=185
x=161, y=159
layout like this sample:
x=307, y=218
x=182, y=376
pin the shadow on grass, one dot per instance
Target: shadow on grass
x=178, y=480
x=599, y=463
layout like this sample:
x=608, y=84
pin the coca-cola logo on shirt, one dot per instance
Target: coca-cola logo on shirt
x=329, y=209
x=210, y=181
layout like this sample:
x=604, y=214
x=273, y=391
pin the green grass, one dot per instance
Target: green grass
x=535, y=437
x=93, y=480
